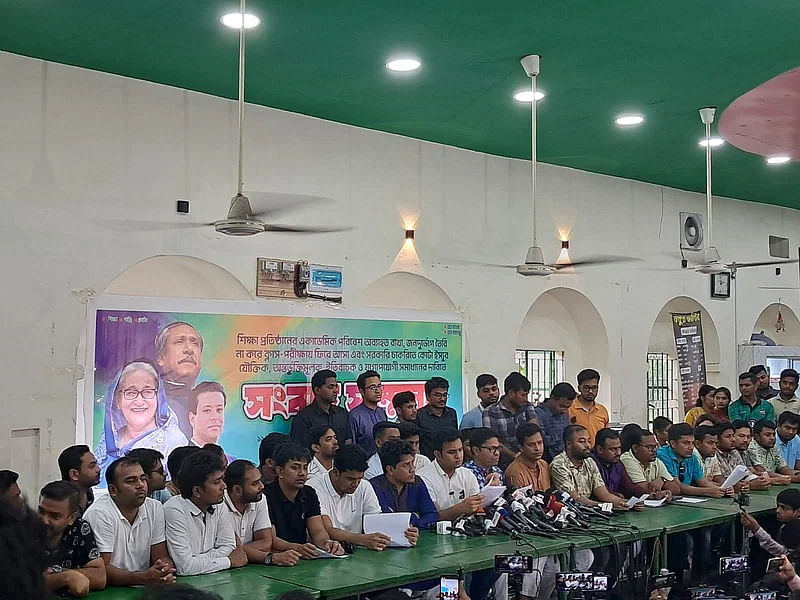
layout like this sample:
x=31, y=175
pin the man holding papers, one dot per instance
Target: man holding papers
x=729, y=456
x=345, y=498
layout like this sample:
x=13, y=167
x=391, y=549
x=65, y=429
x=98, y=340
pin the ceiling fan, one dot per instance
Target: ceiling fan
x=241, y=219
x=711, y=262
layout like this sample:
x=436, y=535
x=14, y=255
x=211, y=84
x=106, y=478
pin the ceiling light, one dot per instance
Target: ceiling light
x=234, y=20
x=714, y=142
x=403, y=64
x=526, y=95
x=629, y=120
x=778, y=160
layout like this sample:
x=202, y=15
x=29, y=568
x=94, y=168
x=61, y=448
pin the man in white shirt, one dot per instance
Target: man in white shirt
x=323, y=445
x=453, y=488
x=244, y=498
x=345, y=497
x=129, y=528
x=381, y=432
x=200, y=533
x=787, y=397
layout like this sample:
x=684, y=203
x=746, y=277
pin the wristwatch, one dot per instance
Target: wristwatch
x=268, y=558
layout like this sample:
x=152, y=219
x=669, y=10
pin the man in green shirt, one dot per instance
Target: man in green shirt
x=749, y=407
x=766, y=458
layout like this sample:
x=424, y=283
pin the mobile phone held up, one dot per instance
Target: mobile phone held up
x=448, y=587
x=513, y=563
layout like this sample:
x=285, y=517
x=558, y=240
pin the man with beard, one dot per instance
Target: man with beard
x=200, y=536
x=764, y=390
x=129, y=528
x=152, y=462
x=74, y=561
x=488, y=394
x=244, y=498
x=765, y=457
x=79, y=466
x=9, y=488
x=585, y=411
x=729, y=437
x=323, y=445
x=179, y=353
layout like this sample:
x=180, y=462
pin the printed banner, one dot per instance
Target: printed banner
x=168, y=379
x=688, y=331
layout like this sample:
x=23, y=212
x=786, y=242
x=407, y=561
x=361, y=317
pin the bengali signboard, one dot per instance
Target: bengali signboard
x=688, y=331
x=165, y=378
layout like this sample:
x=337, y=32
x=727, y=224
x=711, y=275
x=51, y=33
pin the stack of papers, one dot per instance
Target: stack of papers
x=691, y=500
x=655, y=503
x=491, y=493
x=739, y=473
x=633, y=500
x=393, y=525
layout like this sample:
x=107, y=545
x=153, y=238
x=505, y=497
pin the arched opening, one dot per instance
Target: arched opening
x=664, y=394
x=561, y=334
x=788, y=335
x=406, y=290
x=178, y=277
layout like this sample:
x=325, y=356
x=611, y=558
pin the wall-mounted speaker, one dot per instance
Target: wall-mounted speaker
x=692, y=231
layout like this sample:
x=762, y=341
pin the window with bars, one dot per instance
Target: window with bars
x=664, y=396
x=544, y=369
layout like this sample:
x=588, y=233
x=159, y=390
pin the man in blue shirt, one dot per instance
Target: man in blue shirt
x=399, y=489
x=488, y=393
x=788, y=443
x=553, y=415
x=364, y=416
x=678, y=457
x=485, y=450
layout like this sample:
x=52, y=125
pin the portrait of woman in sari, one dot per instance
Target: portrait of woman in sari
x=137, y=415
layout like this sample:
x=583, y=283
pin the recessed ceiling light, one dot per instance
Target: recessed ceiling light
x=525, y=95
x=403, y=64
x=234, y=20
x=629, y=120
x=778, y=160
x=714, y=142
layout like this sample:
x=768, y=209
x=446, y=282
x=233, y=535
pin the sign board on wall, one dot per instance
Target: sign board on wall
x=688, y=331
x=254, y=369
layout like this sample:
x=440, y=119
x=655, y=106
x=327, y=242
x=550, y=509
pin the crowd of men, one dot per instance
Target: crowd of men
x=312, y=488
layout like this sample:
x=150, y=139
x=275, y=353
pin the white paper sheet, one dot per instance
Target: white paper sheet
x=691, y=500
x=491, y=493
x=634, y=500
x=654, y=503
x=739, y=473
x=392, y=524
x=325, y=554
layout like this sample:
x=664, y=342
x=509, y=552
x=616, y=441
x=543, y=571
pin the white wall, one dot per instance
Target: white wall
x=78, y=147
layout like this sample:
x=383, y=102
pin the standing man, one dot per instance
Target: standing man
x=645, y=468
x=765, y=457
x=511, y=411
x=206, y=413
x=364, y=416
x=200, y=535
x=70, y=549
x=266, y=452
x=9, y=488
x=179, y=353
x=405, y=405
x=323, y=445
x=749, y=407
x=488, y=393
x=129, y=528
x=78, y=465
x=436, y=415
x=382, y=432
x=787, y=398
x=553, y=416
x=485, y=447
x=788, y=443
x=152, y=464
x=322, y=411
x=576, y=473
x=765, y=391
x=606, y=454
x=244, y=499
x=529, y=468
x=586, y=411
x=682, y=464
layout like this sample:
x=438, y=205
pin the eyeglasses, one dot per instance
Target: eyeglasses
x=492, y=449
x=132, y=394
x=650, y=447
x=375, y=388
x=441, y=395
x=160, y=471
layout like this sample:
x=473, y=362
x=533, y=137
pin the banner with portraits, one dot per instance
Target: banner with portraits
x=168, y=373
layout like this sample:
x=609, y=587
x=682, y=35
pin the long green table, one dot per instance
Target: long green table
x=437, y=555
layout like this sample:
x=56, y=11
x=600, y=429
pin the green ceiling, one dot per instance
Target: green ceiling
x=599, y=58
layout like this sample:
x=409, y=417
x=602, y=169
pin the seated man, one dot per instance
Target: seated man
x=729, y=456
x=410, y=432
x=345, y=497
x=9, y=488
x=787, y=513
x=682, y=464
x=399, y=489
x=645, y=468
x=266, y=450
x=380, y=433
x=323, y=445
x=74, y=561
x=577, y=474
x=200, y=536
x=765, y=457
x=485, y=450
x=129, y=528
x=661, y=427
x=294, y=506
x=244, y=499
x=529, y=468
x=152, y=463
x=606, y=454
x=788, y=442
x=174, y=462
x=705, y=451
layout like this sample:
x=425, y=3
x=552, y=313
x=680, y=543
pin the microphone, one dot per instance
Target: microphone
x=588, y=510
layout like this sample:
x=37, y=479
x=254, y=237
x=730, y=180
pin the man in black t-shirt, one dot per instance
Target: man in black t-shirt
x=74, y=561
x=294, y=506
x=436, y=415
x=322, y=411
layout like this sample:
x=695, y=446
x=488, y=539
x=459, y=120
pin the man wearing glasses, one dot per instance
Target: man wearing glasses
x=485, y=446
x=436, y=415
x=364, y=416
